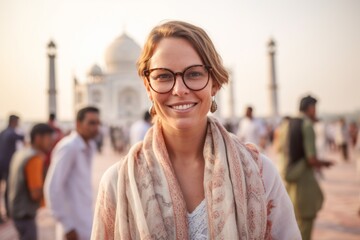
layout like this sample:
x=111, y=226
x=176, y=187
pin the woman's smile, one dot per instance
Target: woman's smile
x=183, y=107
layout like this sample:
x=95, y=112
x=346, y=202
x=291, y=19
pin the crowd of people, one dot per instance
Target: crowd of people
x=183, y=174
x=52, y=169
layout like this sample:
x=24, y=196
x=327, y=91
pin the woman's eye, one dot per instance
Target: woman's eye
x=163, y=77
x=194, y=74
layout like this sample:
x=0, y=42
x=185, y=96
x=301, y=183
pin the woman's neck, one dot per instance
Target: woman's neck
x=185, y=146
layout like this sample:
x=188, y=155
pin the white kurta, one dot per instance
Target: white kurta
x=68, y=186
x=251, y=131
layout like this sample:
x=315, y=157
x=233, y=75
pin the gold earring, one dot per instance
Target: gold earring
x=213, y=107
x=152, y=109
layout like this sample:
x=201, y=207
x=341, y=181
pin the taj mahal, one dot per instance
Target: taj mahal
x=116, y=90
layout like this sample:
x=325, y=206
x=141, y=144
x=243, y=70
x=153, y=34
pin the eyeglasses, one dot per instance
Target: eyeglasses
x=162, y=80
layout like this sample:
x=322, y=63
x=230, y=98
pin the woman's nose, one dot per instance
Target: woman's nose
x=179, y=87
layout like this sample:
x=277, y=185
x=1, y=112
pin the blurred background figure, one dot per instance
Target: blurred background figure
x=228, y=125
x=252, y=130
x=279, y=144
x=119, y=139
x=330, y=135
x=99, y=141
x=300, y=152
x=8, y=141
x=353, y=133
x=58, y=133
x=26, y=178
x=342, y=138
x=57, y=136
x=139, y=128
x=68, y=186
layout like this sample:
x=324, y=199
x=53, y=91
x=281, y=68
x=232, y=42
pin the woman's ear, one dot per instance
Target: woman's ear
x=215, y=87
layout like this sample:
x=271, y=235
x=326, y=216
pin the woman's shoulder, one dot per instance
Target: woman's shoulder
x=112, y=172
x=110, y=177
x=268, y=165
x=271, y=177
x=279, y=207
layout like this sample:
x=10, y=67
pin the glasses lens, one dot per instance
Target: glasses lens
x=161, y=80
x=196, y=77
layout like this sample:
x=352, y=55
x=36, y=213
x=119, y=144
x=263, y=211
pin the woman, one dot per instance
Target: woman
x=189, y=178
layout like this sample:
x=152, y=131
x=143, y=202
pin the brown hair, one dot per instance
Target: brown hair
x=196, y=36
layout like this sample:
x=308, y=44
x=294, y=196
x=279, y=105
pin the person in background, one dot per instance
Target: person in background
x=139, y=128
x=26, y=179
x=99, y=141
x=68, y=185
x=302, y=161
x=58, y=135
x=280, y=138
x=342, y=138
x=353, y=133
x=252, y=130
x=8, y=140
x=330, y=135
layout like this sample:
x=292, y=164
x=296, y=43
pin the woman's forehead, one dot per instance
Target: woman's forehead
x=175, y=53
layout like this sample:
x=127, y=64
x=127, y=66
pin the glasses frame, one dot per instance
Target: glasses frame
x=147, y=73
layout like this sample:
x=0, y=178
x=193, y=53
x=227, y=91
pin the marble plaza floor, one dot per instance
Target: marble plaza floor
x=338, y=220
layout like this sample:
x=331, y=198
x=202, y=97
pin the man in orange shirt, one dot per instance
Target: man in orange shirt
x=26, y=181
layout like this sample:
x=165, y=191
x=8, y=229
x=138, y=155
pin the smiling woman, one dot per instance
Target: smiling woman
x=190, y=178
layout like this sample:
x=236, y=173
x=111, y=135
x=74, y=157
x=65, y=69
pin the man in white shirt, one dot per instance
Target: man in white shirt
x=139, y=128
x=251, y=130
x=68, y=185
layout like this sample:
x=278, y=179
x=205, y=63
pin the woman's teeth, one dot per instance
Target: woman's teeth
x=183, y=107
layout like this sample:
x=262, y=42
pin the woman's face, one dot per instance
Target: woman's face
x=181, y=108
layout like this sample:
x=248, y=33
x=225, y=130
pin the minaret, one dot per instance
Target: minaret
x=274, y=111
x=51, y=50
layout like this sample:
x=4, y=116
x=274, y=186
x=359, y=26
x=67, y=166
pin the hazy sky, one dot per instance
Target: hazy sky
x=318, y=47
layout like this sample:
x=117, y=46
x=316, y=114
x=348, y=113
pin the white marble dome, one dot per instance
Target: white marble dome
x=123, y=52
x=95, y=70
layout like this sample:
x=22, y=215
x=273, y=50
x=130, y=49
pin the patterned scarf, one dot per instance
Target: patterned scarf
x=150, y=204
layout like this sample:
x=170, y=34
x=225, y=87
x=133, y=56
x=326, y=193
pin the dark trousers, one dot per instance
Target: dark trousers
x=344, y=151
x=26, y=228
x=306, y=227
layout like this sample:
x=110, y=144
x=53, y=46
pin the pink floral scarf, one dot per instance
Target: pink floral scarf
x=149, y=203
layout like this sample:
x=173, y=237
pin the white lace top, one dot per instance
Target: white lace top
x=198, y=222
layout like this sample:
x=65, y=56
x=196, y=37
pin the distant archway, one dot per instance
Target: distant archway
x=96, y=96
x=129, y=102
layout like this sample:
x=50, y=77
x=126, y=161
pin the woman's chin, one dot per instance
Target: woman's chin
x=186, y=123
